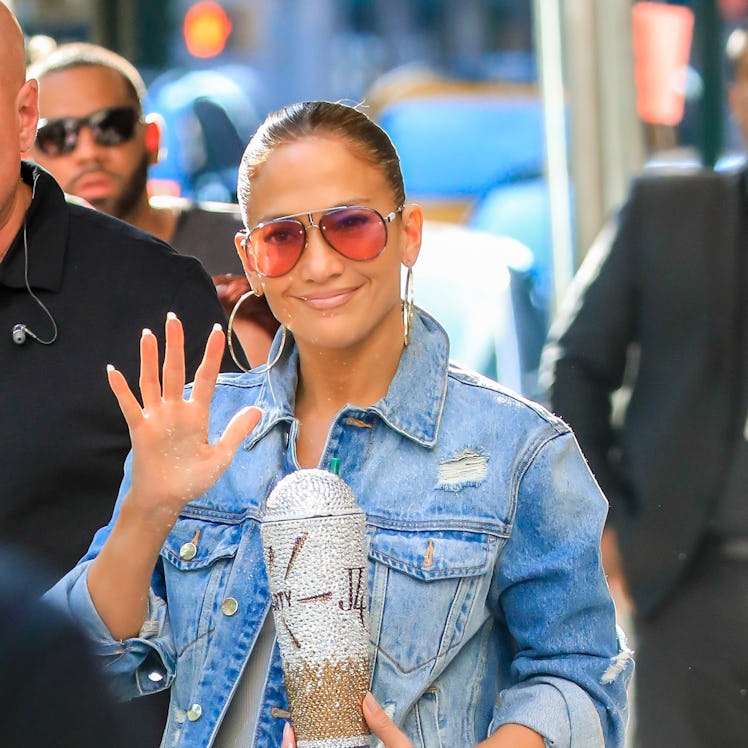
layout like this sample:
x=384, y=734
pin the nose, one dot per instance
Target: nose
x=86, y=147
x=319, y=261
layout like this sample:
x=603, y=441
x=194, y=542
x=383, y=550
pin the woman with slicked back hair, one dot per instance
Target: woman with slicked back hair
x=491, y=620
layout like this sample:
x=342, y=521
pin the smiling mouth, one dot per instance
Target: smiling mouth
x=329, y=300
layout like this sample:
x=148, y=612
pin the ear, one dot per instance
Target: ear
x=413, y=229
x=248, y=262
x=27, y=108
x=154, y=127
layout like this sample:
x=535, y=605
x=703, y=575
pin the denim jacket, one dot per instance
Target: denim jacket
x=488, y=603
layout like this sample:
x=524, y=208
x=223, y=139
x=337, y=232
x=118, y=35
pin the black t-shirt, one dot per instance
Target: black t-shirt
x=207, y=231
x=63, y=440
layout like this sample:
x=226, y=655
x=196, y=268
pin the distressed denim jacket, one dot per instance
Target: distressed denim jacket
x=488, y=604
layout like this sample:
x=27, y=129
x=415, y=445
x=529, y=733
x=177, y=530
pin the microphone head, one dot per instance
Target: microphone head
x=19, y=334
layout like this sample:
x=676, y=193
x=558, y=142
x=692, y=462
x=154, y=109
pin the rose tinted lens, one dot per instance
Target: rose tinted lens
x=113, y=126
x=55, y=137
x=276, y=246
x=357, y=233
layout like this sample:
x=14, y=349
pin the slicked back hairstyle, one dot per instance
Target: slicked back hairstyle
x=321, y=118
x=81, y=54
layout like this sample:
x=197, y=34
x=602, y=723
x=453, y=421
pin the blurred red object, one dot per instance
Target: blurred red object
x=164, y=187
x=733, y=10
x=206, y=29
x=662, y=44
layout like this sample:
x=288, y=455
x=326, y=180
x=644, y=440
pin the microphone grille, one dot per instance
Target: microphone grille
x=310, y=493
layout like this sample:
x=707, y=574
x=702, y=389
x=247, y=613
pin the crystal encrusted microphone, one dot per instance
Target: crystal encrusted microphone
x=314, y=540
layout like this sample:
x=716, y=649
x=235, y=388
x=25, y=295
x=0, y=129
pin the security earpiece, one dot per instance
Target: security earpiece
x=19, y=334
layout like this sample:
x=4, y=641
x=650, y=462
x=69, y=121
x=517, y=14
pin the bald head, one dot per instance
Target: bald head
x=19, y=111
x=12, y=52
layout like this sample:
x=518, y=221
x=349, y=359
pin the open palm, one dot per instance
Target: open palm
x=173, y=461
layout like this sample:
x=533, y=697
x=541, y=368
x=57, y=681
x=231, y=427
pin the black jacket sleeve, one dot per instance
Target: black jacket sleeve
x=585, y=357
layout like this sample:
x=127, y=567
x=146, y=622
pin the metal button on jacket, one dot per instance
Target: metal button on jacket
x=194, y=712
x=230, y=606
x=188, y=551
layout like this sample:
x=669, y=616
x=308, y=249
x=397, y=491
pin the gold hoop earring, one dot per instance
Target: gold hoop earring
x=408, y=305
x=230, y=338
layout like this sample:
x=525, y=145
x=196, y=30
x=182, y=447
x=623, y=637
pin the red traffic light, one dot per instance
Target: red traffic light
x=206, y=29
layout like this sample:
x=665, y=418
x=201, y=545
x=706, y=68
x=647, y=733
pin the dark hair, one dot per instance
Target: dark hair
x=81, y=54
x=230, y=288
x=306, y=118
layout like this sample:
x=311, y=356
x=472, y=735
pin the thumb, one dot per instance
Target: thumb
x=238, y=428
x=382, y=726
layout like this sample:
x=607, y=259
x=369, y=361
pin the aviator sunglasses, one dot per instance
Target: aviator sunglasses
x=355, y=232
x=110, y=126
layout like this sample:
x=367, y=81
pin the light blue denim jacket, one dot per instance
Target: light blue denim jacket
x=488, y=603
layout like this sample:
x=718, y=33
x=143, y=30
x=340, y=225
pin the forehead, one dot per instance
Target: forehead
x=315, y=172
x=78, y=91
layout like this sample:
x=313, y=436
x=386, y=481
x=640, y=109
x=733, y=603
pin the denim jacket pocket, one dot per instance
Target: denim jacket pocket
x=201, y=536
x=197, y=558
x=425, y=582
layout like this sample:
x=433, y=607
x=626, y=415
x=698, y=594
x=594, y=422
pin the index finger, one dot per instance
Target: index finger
x=207, y=372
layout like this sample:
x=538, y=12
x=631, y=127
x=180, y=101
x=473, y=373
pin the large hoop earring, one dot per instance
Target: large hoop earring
x=408, y=305
x=230, y=339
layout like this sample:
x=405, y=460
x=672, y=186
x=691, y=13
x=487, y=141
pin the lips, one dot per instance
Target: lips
x=326, y=300
x=93, y=185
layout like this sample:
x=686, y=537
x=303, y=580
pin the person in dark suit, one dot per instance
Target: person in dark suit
x=661, y=303
x=52, y=691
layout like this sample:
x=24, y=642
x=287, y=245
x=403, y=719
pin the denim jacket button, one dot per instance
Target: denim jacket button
x=230, y=606
x=188, y=551
x=194, y=712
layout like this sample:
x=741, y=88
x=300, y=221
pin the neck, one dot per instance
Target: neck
x=160, y=222
x=328, y=379
x=11, y=218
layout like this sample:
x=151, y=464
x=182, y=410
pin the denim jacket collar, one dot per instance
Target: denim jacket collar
x=413, y=404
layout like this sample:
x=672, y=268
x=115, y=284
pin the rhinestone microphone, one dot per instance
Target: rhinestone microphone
x=314, y=541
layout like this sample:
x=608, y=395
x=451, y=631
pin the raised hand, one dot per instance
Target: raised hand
x=173, y=462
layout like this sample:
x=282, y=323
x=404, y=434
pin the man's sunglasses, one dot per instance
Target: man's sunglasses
x=355, y=232
x=111, y=126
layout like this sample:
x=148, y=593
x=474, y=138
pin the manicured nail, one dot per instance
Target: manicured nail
x=171, y=315
x=109, y=368
x=146, y=331
x=288, y=734
x=217, y=326
x=371, y=702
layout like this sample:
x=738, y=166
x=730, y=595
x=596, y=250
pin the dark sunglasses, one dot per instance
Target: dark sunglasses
x=355, y=232
x=111, y=126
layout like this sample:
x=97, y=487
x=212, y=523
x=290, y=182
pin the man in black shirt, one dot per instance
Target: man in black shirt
x=76, y=289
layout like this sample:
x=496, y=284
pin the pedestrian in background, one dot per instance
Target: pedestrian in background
x=94, y=139
x=661, y=304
